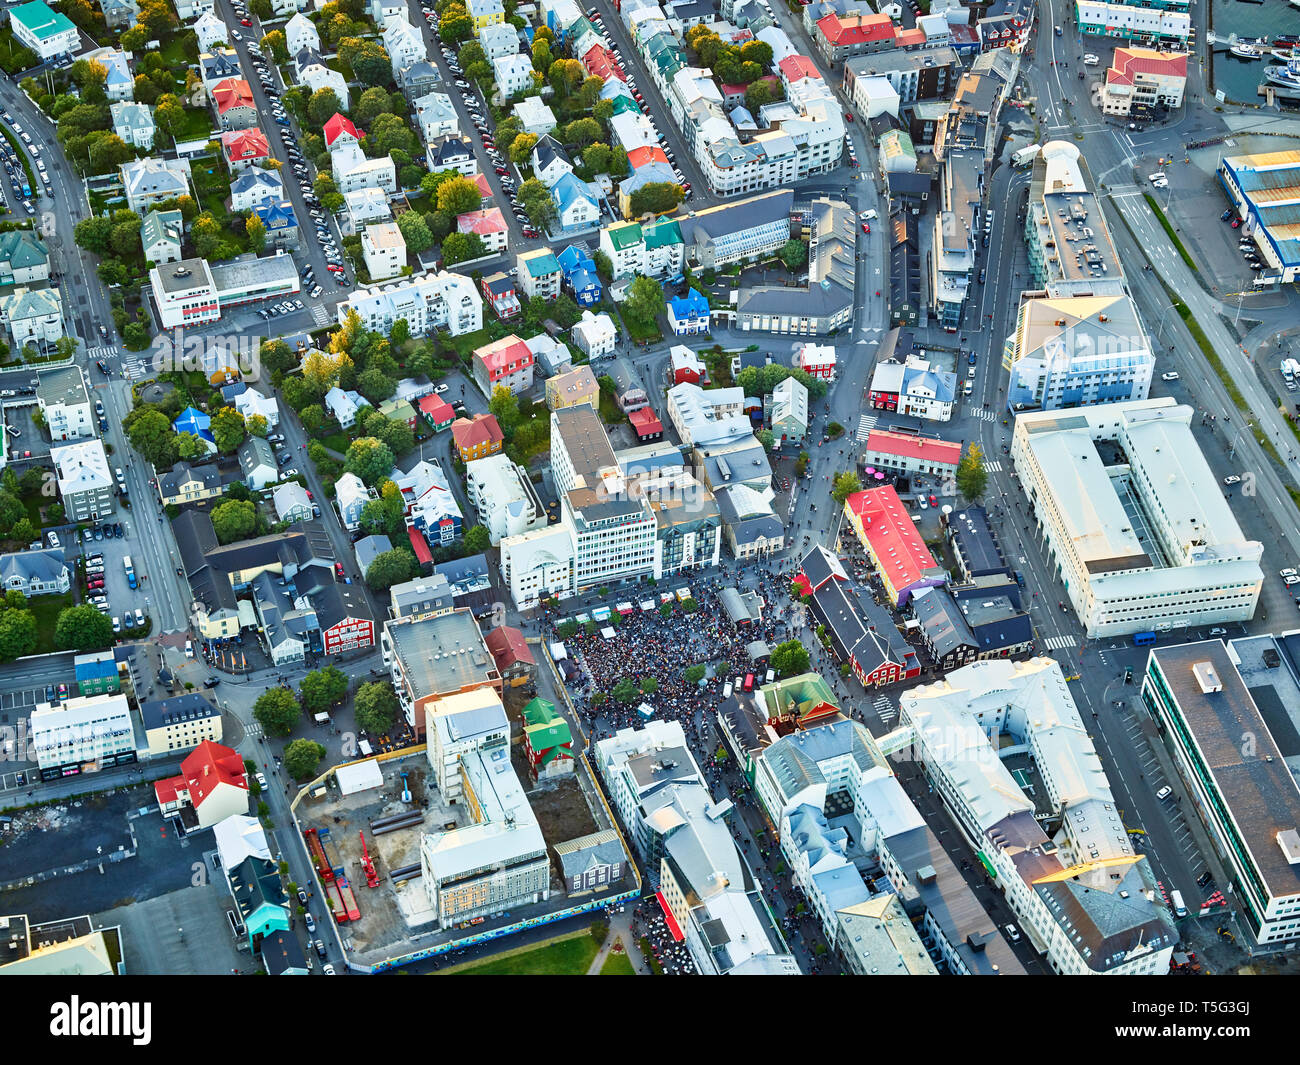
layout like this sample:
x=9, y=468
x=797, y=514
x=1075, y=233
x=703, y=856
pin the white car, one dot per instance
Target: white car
x=289, y=473
x=1162, y=184
x=1232, y=479
x=1172, y=375
x=1288, y=581
x=440, y=389
x=1159, y=175
x=1288, y=572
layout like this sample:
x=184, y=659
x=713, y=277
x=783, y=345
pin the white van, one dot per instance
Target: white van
x=870, y=215
x=1159, y=175
x=968, y=389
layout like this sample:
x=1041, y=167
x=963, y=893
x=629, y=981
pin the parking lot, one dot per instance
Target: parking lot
x=122, y=601
x=24, y=440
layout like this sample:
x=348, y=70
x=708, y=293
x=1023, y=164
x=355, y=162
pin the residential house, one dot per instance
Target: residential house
x=404, y=44
x=257, y=463
x=580, y=277
x=485, y=12
x=339, y=132
x=788, y=414
x=369, y=548
x=64, y=402
x=418, y=80
x=506, y=362
x=477, y=437
x=539, y=273
x=572, y=388
x=86, y=487
x=23, y=258
x=575, y=204
x=185, y=484
x=513, y=74
x=431, y=508
x=688, y=314
x=212, y=785
x=499, y=291
x=280, y=222
x=291, y=502
x=352, y=170
x=161, y=235
x=591, y=862
x=35, y=572
x=119, y=12
x=244, y=147
x=255, y=186
x=452, y=152
x=211, y=31
x=316, y=75
x=534, y=116
x=350, y=496
x=549, y=161
x=433, y=301
x=498, y=40
x=397, y=409
x=217, y=66
x=199, y=425
x=234, y=104
x=34, y=316
x=362, y=206
x=553, y=356
x=1144, y=77
x=251, y=402
x=437, y=412
x=119, y=84
x=133, y=123
x=489, y=224
x=384, y=249
x=300, y=33
x=150, y=181
x=436, y=116
x=345, y=405
x=628, y=390
x=595, y=334
x=513, y=657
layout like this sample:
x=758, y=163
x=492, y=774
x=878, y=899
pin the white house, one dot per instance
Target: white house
x=33, y=316
x=549, y=161
x=595, y=334
x=300, y=33
x=436, y=116
x=150, y=181
x=433, y=301
x=534, y=116
x=345, y=406
x=254, y=187
x=211, y=31
x=352, y=170
x=498, y=40
x=250, y=402
x=188, y=10
x=384, y=249
x=133, y=123
x=513, y=73
x=362, y=206
x=575, y=204
x=47, y=33
x=505, y=499
x=351, y=495
x=404, y=45
x=313, y=73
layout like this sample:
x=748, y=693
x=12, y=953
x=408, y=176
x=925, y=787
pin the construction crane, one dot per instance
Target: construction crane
x=372, y=880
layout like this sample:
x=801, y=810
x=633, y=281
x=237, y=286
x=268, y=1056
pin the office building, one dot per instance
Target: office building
x=81, y=735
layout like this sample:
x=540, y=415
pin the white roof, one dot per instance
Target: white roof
x=359, y=776
x=238, y=837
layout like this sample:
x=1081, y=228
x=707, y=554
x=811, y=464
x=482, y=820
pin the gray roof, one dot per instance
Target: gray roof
x=546, y=151
x=942, y=621
x=255, y=452
x=751, y=530
x=580, y=855
x=370, y=547
x=183, y=473
x=442, y=654
x=793, y=760
x=975, y=542
x=65, y=386
x=47, y=565
x=195, y=537
x=192, y=706
x=735, y=217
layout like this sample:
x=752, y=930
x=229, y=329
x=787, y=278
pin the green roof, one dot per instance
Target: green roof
x=538, y=712
x=665, y=231
x=544, y=727
x=22, y=248
x=625, y=103
x=541, y=262
x=40, y=21
x=625, y=235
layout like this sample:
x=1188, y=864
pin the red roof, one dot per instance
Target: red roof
x=901, y=555
x=854, y=29
x=484, y=189
x=1131, y=61
x=644, y=422
x=484, y=222
x=601, y=63
x=210, y=765
x=907, y=38
x=233, y=92
x=245, y=144
x=798, y=67
x=647, y=153
x=419, y=545
x=165, y=790
x=505, y=351
x=482, y=430
x=508, y=646
x=437, y=410
x=904, y=445
x=337, y=126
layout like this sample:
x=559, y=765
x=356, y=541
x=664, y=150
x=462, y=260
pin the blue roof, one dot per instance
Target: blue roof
x=568, y=189
x=276, y=215
x=192, y=420
x=574, y=258
x=584, y=280
x=692, y=305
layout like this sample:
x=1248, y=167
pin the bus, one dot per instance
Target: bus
x=1179, y=909
x=1143, y=639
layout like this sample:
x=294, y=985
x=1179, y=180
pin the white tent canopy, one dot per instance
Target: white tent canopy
x=359, y=776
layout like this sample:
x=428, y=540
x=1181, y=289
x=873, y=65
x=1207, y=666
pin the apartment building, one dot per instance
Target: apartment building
x=443, y=301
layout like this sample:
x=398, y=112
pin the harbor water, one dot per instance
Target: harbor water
x=1241, y=78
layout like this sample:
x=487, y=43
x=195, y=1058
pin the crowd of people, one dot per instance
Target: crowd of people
x=673, y=956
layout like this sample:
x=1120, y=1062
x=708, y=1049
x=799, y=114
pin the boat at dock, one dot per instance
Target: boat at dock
x=1247, y=51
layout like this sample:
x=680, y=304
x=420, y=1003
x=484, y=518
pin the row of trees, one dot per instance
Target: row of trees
x=279, y=710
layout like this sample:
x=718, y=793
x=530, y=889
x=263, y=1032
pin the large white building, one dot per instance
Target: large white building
x=446, y=301
x=506, y=501
x=704, y=417
x=82, y=733
x=498, y=861
x=1134, y=519
x=1084, y=897
x=689, y=853
x=1073, y=351
x=46, y=32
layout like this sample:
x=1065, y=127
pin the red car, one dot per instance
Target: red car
x=338, y=570
x=848, y=116
x=500, y=170
x=866, y=227
x=245, y=22
x=1236, y=222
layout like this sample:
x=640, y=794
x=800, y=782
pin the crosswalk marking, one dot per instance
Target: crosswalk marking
x=319, y=314
x=993, y=467
x=865, y=424
x=1058, y=643
x=987, y=415
x=102, y=352
x=884, y=708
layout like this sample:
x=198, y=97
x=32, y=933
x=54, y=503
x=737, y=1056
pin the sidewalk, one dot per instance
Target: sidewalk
x=620, y=928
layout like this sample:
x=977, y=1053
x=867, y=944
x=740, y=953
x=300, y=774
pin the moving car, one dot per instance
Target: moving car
x=1172, y=375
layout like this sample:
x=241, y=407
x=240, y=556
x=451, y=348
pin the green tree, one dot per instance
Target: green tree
x=228, y=430
x=972, y=477
x=276, y=710
x=627, y=691
x=389, y=133
x=459, y=195
x=656, y=197
x=274, y=43
x=234, y=520
x=794, y=253
x=93, y=234
x=391, y=567
x=24, y=531
x=582, y=131
x=151, y=434
x=18, y=633
x=645, y=299
x=302, y=758
x=477, y=540
x=845, y=485
x=276, y=356
x=11, y=512
x=256, y=230
x=504, y=405
x=375, y=385
x=522, y=148
x=369, y=459
x=373, y=103
x=313, y=418
x=693, y=674
x=766, y=438
x=82, y=628
x=323, y=105
x=462, y=247
x=376, y=707
x=455, y=25
x=789, y=659
x=322, y=689
x=415, y=231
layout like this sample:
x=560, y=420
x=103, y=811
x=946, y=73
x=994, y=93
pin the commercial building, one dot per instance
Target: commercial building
x=191, y=292
x=1133, y=518
x=1063, y=858
x=1143, y=77
x=921, y=75
x=895, y=547
x=81, y=735
x=1205, y=697
x=748, y=230
x=705, y=885
x=46, y=32
x=1264, y=191
x=1145, y=25
x=1071, y=351
x=432, y=657
x=910, y=454
x=956, y=234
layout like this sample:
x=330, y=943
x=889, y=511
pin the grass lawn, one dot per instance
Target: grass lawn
x=336, y=441
x=13, y=56
x=637, y=333
x=566, y=957
x=197, y=125
x=467, y=342
x=617, y=965
x=46, y=608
